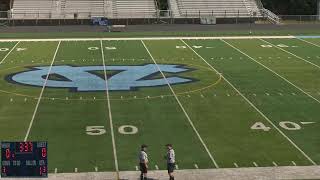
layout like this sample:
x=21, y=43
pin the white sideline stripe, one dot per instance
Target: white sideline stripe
x=148, y=38
x=41, y=93
x=110, y=113
x=282, y=133
x=308, y=42
x=292, y=54
x=5, y=57
x=182, y=108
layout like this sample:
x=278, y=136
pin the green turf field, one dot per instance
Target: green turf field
x=221, y=103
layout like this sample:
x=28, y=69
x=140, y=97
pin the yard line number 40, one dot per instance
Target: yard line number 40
x=287, y=125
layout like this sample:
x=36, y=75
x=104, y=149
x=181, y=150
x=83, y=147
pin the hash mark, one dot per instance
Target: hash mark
x=137, y=169
x=235, y=165
x=156, y=166
x=55, y=170
x=294, y=163
x=177, y=167
x=196, y=166
x=255, y=164
x=75, y=169
x=274, y=163
x=96, y=169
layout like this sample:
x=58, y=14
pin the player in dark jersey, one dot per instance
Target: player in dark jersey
x=143, y=162
x=171, y=161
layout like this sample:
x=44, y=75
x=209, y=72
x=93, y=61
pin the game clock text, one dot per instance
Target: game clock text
x=24, y=159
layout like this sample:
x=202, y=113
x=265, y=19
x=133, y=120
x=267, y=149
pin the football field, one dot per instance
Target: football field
x=222, y=102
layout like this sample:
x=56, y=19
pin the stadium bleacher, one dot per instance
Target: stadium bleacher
x=86, y=9
x=134, y=8
x=217, y=8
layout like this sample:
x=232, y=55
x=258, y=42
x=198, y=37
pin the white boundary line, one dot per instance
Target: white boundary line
x=41, y=93
x=282, y=133
x=5, y=57
x=291, y=53
x=308, y=42
x=182, y=108
x=110, y=113
x=149, y=38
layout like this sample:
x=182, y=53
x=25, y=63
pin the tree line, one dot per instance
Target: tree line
x=291, y=7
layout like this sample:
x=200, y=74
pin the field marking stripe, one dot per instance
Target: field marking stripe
x=149, y=38
x=110, y=113
x=5, y=57
x=308, y=42
x=182, y=108
x=260, y=112
x=41, y=93
x=291, y=53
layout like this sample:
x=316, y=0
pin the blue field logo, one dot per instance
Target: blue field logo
x=91, y=78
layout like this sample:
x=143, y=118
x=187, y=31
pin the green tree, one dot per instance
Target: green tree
x=291, y=7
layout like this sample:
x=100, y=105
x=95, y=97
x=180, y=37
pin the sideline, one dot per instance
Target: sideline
x=149, y=38
x=265, y=173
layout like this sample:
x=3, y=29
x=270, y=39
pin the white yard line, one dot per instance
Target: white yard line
x=41, y=93
x=291, y=54
x=261, y=113
x=182, y=108
x=149, y=38
x=300, y=89
x=5, y=57
x=308, y=42
x=110, y=113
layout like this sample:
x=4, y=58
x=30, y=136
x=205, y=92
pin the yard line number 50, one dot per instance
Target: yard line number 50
x=100, y=130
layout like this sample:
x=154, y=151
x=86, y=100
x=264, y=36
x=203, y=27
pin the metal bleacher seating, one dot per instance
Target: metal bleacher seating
x=217, y=8
x=83, y=9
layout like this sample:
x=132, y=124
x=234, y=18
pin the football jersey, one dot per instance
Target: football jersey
x=143, y=157
x=171, y=157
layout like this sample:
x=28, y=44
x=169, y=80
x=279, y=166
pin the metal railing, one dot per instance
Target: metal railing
x=129, y=14
x=300, y=19
x=77, y=16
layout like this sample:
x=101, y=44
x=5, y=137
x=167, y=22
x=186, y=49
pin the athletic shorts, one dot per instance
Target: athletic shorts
x=143, y=168
x=170, y=167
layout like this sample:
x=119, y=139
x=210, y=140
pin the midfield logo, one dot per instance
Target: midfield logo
x=91, y=78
